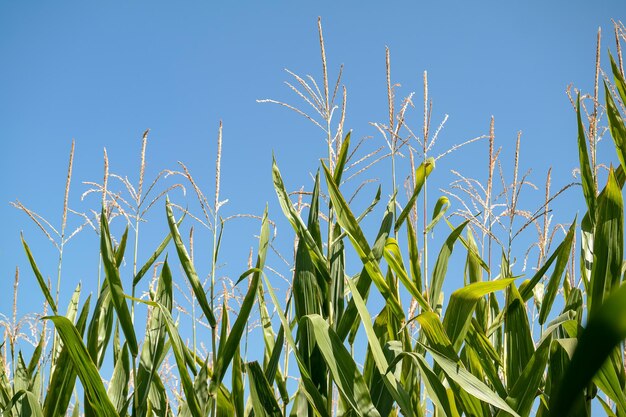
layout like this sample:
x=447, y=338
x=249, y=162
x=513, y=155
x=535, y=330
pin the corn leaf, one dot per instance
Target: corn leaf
x=188, y=267
x=344, y=371
x=263, y=401
x=458, y=316
x=555, y=279
x=608, y=245
x=115, y=284
x=441, y=265
x=226, y=353
x=348, y=222
x=587, y=176
x=85, y=368
x=604, y=331
x=42, y=283
x=421, y=173
x=393, y=386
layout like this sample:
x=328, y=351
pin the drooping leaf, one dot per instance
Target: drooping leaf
x=188, y=267
x=458, y=316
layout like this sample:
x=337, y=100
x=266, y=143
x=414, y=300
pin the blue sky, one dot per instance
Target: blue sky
x=103, y=74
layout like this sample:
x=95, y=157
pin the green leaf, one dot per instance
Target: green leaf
x=40, y=280
x=523, y=392
x=263, y=401
x=604, y=331
x=120, y=249
x=115, y=284
x=118, y=387
x=344, y=371
x=587, y=176
x=618, y=77
x=85, y=368
x=421, y=173
x=393, y=386
x=348, y=222
x=519, y=342
x=441, y=206
x=63, y=377
x=349, y=318
x=307, y=387
x=441, y=266
x=298, y=225
x=153, y=349
x=393, y=256
x=179, y=349
x=458, y=316
x=468, y=382
x=227, y=352
x=100, y=326
x=188, y=267
x=342, y=158
x=608, y=246
x=146, y=267
x=555, y=279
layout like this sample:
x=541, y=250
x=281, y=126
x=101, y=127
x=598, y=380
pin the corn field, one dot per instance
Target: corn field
x=365, y=328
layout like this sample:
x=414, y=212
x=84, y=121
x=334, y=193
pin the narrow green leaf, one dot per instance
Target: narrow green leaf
x=263, y=401
x=118, y=387
x=307, y=386
x=395, y=389
x=348, y=222
x=604, y=331
x=234, y=338
x=441, y=265
x=100, y=326
x=153, y=349
x=441, y=206
x=179, y=349
x=146, y=267
x=188, y=267
x=519, y=341
x=555, y=278
x=469, y=382
x=393, y=256
x=85, y=368
x=421, y=173
x=349, y=319
x=608, y=245
x=524, y=391
x=120, y=249
x=40, y=280
x=618, y=77
x=115, y=284
x=344, y=371
x=342, y=158
x=458, y=316
x=587, y=176
x=298, y=225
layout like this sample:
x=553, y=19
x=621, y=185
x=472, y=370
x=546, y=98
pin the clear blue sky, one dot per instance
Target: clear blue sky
x=103, y=74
